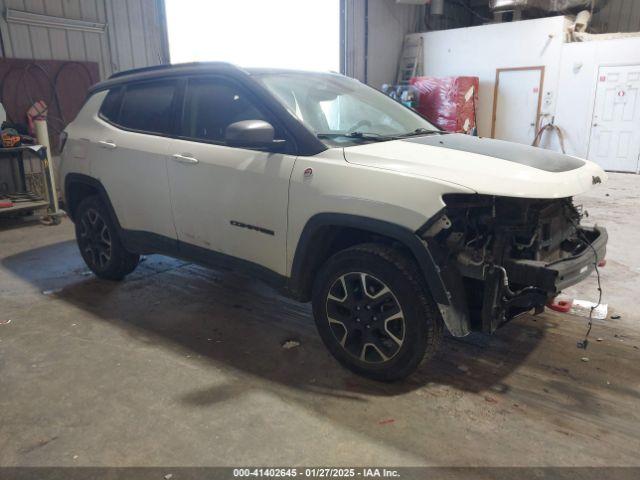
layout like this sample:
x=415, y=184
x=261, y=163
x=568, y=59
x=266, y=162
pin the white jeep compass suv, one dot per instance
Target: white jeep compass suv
x=332, y=192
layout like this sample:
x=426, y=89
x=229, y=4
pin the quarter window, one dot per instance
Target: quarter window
x=147, y=106
x=211, y=105
x=111, y=105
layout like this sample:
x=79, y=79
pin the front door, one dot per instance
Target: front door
x=615, y=129
x=228, y=200
x=517, y=100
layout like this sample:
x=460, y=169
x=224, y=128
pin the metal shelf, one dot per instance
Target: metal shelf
x=45, y=199
x=25, y=206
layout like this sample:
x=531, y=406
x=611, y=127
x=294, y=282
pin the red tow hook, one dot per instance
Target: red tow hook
x=562, y=306
x=602, y=263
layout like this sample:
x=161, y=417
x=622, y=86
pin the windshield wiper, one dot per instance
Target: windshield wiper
x=424, y=131
x=381, y=138
x=356, y=134
x=359, y=135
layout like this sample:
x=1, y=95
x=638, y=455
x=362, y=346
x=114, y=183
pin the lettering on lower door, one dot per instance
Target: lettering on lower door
x=266, y=231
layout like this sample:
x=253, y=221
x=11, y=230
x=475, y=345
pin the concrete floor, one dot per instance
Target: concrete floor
x=180, y=365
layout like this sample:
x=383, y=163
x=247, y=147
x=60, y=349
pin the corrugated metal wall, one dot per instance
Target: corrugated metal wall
x=389, y=22
x=385, y=23
x=354, y=38
x=135, y=34
x=618, y=16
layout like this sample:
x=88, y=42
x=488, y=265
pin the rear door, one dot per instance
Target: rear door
x=129, y=154
x=229, y=200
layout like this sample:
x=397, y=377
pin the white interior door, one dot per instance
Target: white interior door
x=615, y=129
x=517, y=104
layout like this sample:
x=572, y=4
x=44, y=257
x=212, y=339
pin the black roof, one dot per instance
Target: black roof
x=171, y=66
x=178, y=69
x=166, y=70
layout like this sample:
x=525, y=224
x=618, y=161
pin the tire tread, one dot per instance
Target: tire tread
x=411, y=276
x=125, y=262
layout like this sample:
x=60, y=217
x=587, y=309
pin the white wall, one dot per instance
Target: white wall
x=578, y=81
x=571, y=69
x=479, y=51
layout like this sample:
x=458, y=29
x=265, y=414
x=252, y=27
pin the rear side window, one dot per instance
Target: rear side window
x=211, y=105
x=147, y=106
x=111, y=105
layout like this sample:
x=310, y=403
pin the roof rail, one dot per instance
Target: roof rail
x=168, y=66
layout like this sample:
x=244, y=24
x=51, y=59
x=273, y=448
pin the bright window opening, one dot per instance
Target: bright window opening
x=297, y=34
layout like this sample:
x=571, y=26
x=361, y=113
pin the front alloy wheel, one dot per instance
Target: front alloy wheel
x=374, y=312
x=365, y=317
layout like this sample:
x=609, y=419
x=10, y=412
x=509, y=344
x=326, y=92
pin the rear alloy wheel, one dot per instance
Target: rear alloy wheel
x=374, y=313
x=99, y=243
x=94, y=239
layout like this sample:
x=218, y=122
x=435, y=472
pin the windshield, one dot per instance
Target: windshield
x=341, y=110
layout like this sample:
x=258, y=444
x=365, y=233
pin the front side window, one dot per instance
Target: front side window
x=342, y=110
x=211, y=105
x=147, y=106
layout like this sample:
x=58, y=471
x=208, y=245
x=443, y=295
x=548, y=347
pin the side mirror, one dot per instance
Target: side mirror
x=256, y=134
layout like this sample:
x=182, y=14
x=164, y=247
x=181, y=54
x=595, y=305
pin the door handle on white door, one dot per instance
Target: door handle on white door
x=107, y=144
x=186, y=159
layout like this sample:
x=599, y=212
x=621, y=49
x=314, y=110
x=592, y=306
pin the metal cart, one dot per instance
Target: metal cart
x=27, y=186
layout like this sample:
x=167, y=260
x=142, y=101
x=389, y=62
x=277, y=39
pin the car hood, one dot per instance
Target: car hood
x=487, y=166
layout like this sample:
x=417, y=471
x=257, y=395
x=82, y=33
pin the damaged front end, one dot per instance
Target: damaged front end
x=500, y=257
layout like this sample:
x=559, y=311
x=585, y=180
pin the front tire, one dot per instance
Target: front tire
x=99, y=242
x=374, y=313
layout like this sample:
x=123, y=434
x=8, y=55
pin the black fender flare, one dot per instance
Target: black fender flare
x=95, y=184
x=420, y=250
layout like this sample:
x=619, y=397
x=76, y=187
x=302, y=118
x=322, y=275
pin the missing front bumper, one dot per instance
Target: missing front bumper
x=555, y=276
x=524, y=285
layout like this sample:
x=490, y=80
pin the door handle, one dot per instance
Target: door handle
x=186, y=159
x=107, y=144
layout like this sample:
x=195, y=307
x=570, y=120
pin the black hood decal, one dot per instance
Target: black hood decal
x=539, y=158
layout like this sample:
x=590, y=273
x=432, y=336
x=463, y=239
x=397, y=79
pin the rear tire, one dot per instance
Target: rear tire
x=99, y=242
x=374, y=313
